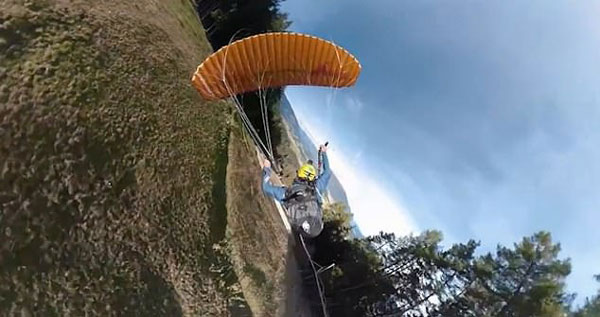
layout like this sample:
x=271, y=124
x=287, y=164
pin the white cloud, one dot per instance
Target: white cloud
x=374, y=209
x=354, y=105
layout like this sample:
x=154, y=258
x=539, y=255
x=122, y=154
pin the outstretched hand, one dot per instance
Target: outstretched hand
x=266, y=163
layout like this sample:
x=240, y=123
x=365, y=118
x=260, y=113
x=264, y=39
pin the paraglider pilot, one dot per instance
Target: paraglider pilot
x=303, y=198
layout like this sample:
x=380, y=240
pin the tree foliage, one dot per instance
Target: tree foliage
x=527, y=280
x=228, y=20
x=591, y=307
x=425, y=276
x=416, y=276
x=355, y=281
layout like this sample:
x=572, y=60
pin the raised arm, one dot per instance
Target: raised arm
x=323, y=179
x=277, y=192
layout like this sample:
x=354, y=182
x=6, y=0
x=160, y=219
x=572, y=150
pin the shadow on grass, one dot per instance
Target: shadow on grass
x=217, y=257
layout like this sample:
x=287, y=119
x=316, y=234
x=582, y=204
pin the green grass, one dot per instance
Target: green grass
x=187, y=17
x=108, y=161
x=257, y=276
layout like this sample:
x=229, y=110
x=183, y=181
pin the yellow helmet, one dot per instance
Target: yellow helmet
x=307, y=172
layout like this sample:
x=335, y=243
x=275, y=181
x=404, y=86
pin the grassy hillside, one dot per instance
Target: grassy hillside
x=262, y=251
x=112, y=167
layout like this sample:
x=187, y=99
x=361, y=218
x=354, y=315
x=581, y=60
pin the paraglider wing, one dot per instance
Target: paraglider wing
x=274, y=60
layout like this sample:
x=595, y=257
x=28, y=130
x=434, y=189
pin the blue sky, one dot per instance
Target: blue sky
x=478, y=118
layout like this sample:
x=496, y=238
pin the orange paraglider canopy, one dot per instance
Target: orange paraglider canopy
x=273, y=60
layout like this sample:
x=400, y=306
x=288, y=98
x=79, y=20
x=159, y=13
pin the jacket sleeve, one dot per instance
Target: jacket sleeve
x=323, y=179
x=276, y=192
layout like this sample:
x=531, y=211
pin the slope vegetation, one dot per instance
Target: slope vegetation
x=110, y=162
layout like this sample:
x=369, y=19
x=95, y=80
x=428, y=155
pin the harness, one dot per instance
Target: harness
x=304, y=209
